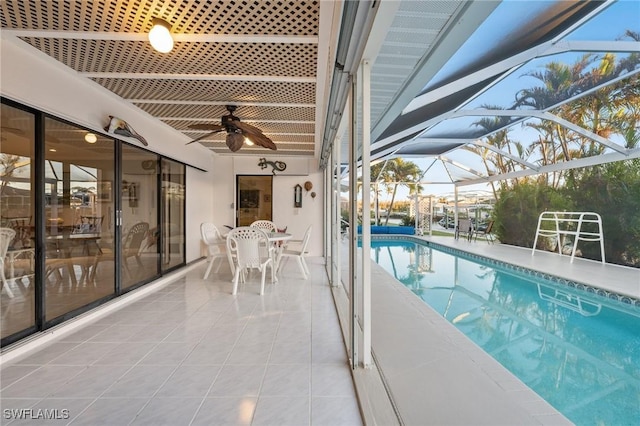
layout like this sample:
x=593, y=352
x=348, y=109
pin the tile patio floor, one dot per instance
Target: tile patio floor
x=190, y=353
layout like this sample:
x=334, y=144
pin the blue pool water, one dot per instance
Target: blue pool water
x=577, y=350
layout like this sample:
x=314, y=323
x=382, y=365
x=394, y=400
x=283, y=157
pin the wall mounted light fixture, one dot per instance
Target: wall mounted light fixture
x=160, y=35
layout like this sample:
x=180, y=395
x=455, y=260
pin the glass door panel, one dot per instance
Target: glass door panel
x=253, y=199
x=139, y=205
x=78, y=214
x=173, y=208
x=17, y=297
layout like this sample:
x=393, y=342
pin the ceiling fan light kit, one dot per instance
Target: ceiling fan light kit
x=237, y=132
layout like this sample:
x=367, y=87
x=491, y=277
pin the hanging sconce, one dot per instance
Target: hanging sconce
x=160, y=35
x=297, y=196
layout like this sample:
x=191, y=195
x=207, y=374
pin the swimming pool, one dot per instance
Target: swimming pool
x=578, y=350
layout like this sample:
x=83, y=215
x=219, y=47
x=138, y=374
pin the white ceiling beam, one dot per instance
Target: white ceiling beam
x=186, y=38
x=214, y=119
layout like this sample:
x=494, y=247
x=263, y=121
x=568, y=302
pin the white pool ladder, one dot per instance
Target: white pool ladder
x=577, y=218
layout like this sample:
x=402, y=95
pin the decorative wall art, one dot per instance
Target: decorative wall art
x=279, y=166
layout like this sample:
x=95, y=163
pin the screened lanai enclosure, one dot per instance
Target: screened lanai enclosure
x=540, y=95
x=533, y=102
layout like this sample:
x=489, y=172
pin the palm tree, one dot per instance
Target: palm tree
x=396, y=172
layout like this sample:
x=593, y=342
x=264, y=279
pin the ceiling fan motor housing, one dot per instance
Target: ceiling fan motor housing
x=228, y=119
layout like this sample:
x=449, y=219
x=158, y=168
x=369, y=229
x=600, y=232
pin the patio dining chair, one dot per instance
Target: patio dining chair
x=265, y=225
x=252, y=250
x=299, y=254
x=216, y=247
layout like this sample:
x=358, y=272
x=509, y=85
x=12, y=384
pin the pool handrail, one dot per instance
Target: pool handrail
x=579, y=218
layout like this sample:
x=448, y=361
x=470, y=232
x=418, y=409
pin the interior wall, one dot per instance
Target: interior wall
x=199, y=208
x=297, y=219
x=223, y=183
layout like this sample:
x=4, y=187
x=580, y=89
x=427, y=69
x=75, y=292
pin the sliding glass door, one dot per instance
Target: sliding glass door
x=139, y=217
x=17, y=210
x=84, y=217
x=78, y=217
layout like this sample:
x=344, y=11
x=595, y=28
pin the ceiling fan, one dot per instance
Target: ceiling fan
x=236, y=132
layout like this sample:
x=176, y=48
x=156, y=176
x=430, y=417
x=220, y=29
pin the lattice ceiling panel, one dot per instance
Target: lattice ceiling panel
x=269, y=128
x=216, y=59
x=245, y=113
x=221, y=148
x=280, y=139
x=221, y=17
x=211, y=90
x=189, y=58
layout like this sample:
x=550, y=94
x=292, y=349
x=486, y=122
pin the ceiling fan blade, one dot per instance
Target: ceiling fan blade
x=235, y=141
x=202, y=137
x=261, y=140
x=247, y=128
x=207, y=126
x=256, y=135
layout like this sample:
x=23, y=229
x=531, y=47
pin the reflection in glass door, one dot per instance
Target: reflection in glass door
x=173, y=208
x=78, y=216
x=139, y=213
x=17, y=244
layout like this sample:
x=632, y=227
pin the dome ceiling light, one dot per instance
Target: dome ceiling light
x=160, y=36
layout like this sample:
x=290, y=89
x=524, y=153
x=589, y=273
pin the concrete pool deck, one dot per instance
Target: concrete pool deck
x=615, y=278
x=433, y=374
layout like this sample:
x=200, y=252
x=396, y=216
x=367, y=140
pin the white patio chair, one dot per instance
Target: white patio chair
x=265, y=225
x=300, y=253
x=253, y=251
x=216, y=247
